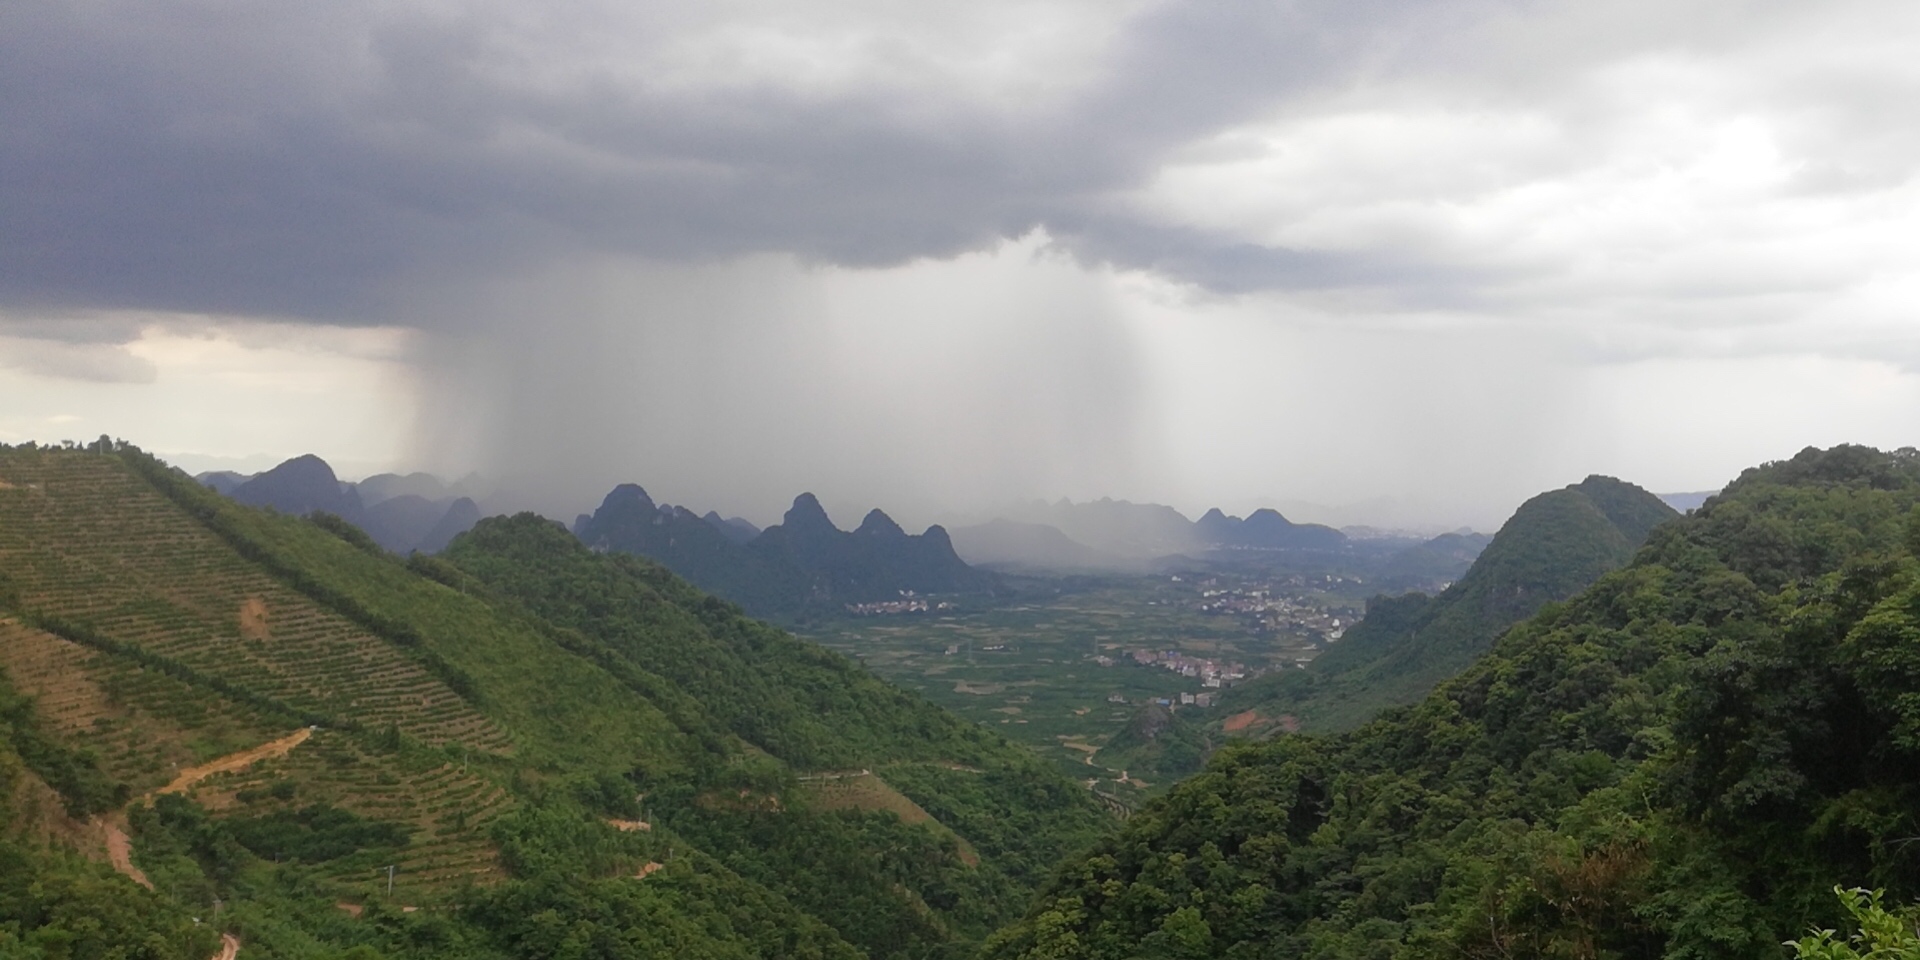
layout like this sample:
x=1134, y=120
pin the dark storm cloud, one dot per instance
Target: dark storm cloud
x=300, y=160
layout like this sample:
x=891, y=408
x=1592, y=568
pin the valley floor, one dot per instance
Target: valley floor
x=1057, y=671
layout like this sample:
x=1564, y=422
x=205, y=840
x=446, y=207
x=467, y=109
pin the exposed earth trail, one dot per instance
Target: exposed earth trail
x=237, y=761
x=120, y=853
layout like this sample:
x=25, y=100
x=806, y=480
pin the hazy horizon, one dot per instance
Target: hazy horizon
x=1386, y=514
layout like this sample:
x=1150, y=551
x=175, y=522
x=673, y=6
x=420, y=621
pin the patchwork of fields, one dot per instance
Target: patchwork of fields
x=1033, y=669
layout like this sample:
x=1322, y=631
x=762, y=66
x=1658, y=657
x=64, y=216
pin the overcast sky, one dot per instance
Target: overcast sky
x=1416, y=260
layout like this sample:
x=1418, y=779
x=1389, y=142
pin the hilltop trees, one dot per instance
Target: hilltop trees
x=1679, y=762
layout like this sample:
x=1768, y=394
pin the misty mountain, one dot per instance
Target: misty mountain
x=302, y=485
x=1265, y=529
x=385, y=486
x=737, y=529
x=223, y=481
x=1121, y=529
x=875, y=561
x=1444, y=557
x=805, y=561
x=401, y=514
x=460, y=516
x=1113, y=526
x=1016, y=545
x=401, y=523
x=1554, y=546
x=628, y=521
x=1686, y=502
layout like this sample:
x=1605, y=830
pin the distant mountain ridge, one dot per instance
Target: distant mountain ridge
x=1114, y=526
x=1686, y=502
x=1265, y=529
x=1555, y=545
x=1108, y=533
x=805, y=561
x=737, y=529
x=401, y=513
x=1039, y=546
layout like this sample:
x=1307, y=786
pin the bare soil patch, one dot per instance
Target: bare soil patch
x=120, y=853
x=253, y=619
x=235, y=762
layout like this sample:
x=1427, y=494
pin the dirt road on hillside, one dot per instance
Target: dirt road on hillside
x=120, y=853
x=234, y=762
x=229, y=947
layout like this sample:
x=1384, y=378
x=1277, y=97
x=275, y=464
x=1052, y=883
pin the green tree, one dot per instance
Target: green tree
x=1882, y=935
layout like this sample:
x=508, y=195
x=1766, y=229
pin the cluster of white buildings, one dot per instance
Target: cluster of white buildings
x=1210, y=673
x=906, y=605
x=1276, y=613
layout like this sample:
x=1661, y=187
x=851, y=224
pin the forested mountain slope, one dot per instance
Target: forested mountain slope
x=1554, y=546
x=560, y=753
x=629, y=522
x=1682, y=761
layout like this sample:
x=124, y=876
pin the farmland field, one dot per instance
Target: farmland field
x=1054, y=668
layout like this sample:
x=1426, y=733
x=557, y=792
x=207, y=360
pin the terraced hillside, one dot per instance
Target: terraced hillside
x=334, y=747
x=88, y=543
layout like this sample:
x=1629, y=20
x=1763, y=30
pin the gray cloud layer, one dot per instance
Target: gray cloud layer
x=301, y=159
x=306, y=160
x=620, y=224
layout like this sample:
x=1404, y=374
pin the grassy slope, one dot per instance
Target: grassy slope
x=496, y=725
x=795, y=700
x=814, y=711
x=516, y=664
x=1682, y=761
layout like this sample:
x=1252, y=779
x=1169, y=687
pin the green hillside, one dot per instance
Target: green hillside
x=1681, y=761
x=1157, y=745
x=1554, y=546
x=559, y=753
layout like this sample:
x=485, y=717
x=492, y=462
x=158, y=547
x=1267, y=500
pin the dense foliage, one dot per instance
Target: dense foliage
x=559, y=753
x=74, y=774
x=1554, y=546
x=793, y=699
x=1679, y=762
x=55, y=905
x=817, y=711
x=1157, y=745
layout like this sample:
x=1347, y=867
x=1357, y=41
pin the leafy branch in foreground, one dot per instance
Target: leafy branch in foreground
x=1883, y=935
